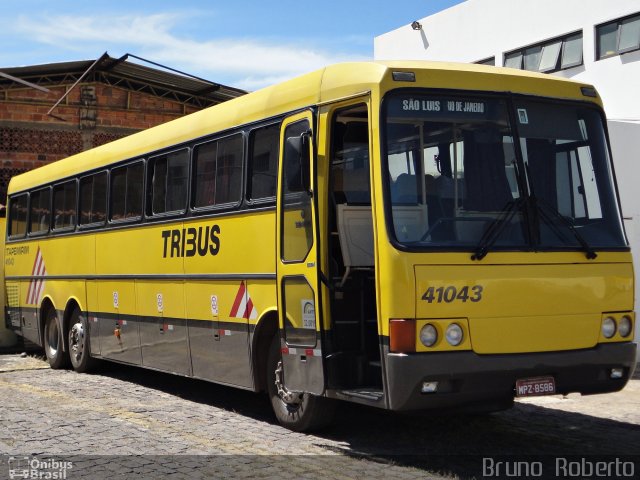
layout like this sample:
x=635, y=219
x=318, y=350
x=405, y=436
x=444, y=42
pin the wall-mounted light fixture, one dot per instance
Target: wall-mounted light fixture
x=416, y=25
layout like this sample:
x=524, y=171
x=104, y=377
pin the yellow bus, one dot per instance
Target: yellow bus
x=403, y=235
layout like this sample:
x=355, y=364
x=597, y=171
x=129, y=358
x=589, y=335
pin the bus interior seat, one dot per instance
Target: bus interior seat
x=405, y=189
x=355, y=231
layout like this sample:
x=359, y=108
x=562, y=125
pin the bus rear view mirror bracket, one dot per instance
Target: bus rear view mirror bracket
x=298, y=147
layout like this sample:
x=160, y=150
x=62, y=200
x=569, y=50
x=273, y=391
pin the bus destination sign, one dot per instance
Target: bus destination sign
x=425, y=106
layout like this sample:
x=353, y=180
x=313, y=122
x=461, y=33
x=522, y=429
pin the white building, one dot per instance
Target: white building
x=593, y=41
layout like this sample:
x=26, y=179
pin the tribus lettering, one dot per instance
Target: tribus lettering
x=189, y=241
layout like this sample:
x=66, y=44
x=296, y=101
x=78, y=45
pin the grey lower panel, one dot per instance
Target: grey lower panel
x=303, y=368
x=202, y=340
x=165, y=345
x=118, y=339
x=211, y=350
x=30, y=325
x=220, y=352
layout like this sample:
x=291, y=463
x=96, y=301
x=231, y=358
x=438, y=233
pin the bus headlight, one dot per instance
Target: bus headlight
x=428, y=335
x=454, y=334
x=624, y=327
x=608, y=327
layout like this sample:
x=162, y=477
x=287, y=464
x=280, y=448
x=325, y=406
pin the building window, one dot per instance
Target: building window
x=487, y=61
x=550, y=56
x=619, y=36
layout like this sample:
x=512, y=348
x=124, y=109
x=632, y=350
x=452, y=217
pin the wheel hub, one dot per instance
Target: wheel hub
x=76, y=340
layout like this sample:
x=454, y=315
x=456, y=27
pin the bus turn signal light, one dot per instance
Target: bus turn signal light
x=402, y=335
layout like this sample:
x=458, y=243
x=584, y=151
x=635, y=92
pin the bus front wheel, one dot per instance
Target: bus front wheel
x=296, y=411
x=79, y=348
x=53, y=341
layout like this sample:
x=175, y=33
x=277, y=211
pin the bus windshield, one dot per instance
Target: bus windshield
x=523, y=174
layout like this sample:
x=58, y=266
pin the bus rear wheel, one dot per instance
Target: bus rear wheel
x=79, y=346
x=300, y=412
x=53, y=341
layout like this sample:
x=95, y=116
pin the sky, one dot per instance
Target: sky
x=246, y=44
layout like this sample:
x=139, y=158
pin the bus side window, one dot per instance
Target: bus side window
x=18, y=216
x=217, y=172
x=168, y=175
x=229, y=170
x=93, y=199
x=40, y=211
x=126, y=192
x=64, y=205
x=263, y=162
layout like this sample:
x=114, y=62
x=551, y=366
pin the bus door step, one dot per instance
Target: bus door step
x=364, y=393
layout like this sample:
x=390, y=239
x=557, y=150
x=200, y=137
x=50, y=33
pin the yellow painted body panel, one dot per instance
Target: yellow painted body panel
x=534, y=333
x=530, y=302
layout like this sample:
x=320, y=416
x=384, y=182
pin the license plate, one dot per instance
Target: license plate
x=531, y=387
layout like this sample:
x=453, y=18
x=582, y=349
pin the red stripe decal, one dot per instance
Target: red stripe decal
x=237, y=301
x=249, y=308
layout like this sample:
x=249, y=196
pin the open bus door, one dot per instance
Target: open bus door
x=297, y=264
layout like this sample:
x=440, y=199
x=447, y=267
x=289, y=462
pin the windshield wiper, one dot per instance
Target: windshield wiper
x=545, y=209
x=493, y=231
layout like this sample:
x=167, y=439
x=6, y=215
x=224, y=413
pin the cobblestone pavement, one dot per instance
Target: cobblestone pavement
x=123, y=422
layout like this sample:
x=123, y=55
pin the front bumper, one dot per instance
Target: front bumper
x=469, y=380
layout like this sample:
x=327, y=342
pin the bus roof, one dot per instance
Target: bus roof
x=325, y=85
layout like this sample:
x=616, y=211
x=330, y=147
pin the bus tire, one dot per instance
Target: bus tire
x=79, y=343
x=307, y=412
x=53, y=341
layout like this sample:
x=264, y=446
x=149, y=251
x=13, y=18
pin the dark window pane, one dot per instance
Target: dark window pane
x=572, y=52
x=93, y=198
x=135, y=175
x=18, y=216
x=118, y=193
x=64, y=205
x=205, y=175
x=126, y=192
x=513, y=60
x=532, y=58
x=86, y=197
x=607, y=38
x=297, y=227
x=629, y=34
x=40, y=211
x=99, y=207
x=263, y=162
x=229, y=170
x=169, y=175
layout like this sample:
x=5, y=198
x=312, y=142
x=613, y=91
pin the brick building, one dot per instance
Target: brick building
x=48, y=112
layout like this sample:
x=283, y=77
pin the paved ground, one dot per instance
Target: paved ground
x=124, y=422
